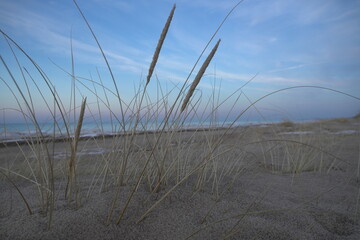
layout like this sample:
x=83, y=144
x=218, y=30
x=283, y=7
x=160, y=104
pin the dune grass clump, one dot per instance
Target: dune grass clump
x=341, y=120
x=157, y=158
x=287, y=124
x=152, y=146
x=301, y=153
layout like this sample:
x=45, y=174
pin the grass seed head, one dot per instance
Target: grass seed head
x=159, y=45
x=199, y=76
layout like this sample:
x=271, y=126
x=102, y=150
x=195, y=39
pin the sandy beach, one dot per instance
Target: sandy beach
x=271, y=181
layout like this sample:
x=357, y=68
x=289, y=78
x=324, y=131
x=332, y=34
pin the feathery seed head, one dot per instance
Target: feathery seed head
x=159, y=45
x=199, y=76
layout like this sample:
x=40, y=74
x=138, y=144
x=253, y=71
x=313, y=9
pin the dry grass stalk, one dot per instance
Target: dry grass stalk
x=159, y=45
x=20, y=193
x=72, y=162
x=199, y=76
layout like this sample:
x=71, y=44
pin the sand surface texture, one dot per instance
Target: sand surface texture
x=271, y=181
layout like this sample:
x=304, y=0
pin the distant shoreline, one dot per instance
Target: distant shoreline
x=49, y=139
x=27, y=139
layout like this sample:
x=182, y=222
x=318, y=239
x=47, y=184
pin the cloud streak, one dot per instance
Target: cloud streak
x=289, y=42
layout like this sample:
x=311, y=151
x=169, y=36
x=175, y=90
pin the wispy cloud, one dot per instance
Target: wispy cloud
x=288, y=68
x=301, y=12
x=270, y=79
x=44, y=30
x=187, y=40
x=290, y=42
x=224, y=5
x=344, y=15
x=118, y=4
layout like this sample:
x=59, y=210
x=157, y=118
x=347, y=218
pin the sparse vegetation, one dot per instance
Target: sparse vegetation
x=357, y=116
x=287, y=124
x=153, y=149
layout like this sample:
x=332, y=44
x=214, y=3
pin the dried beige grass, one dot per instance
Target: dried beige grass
x=159, y=45
x=199, y=76
x=72, y=162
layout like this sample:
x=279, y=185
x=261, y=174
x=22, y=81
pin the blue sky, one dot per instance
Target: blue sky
x=287, y=42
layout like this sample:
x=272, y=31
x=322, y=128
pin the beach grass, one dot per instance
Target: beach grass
x=154, y=152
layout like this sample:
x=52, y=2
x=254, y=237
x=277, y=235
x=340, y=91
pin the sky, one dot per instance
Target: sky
x=283, y=43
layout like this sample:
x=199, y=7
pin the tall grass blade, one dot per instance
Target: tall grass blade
x=72, y=161
x=122, y=123
x=20, y=193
